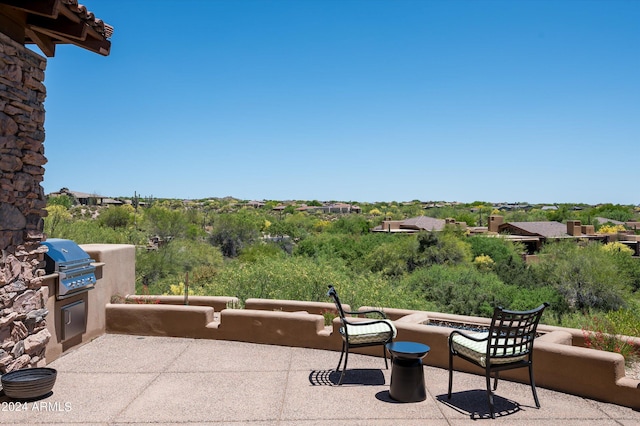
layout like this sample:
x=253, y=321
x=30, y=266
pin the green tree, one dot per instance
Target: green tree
x=116, y=216
x=232, y=232
x=57, y=214
x=441, y=248
x=392, y=258
x=159, y=269
x=61, y=200
x=614, y=212
x=164, y=222
x=352, y=224
x=586, y=276
x=464, y=290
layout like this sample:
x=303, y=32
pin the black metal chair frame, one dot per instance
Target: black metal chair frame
x=512, y=335
x=346, y=344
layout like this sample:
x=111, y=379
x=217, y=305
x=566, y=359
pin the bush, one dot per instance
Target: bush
x=605, y=333
x=586, y=276
x=301, y=278
x=499, y=249
x=90, y=231
x=464, y=290
x=116, y=216
x=352, y=224
x=233, y=232
x=391, y=258
x=440, y=248
x=159, y=269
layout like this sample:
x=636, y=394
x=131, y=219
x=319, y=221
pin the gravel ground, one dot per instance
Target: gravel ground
x=633, y=370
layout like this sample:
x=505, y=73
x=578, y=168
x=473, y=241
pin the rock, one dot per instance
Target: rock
x=19, y=363
x=7, y=319
x=10, y=163
x=19, y=331
x=12, y=218
x=25, y=302
x=36, y=342
x=18, y=349
x=7, y=125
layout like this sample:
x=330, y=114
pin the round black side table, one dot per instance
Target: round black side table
x=407, y=372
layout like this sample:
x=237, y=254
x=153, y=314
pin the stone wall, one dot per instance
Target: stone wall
x=23, y=332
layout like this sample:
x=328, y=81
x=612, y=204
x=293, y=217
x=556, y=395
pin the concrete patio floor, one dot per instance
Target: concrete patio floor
x=130, y=380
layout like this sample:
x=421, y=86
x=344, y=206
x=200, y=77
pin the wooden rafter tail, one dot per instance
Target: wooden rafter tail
x=43, y=41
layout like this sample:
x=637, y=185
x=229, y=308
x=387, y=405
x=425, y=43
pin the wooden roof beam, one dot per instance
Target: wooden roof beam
x=48, y=8
x=43, y=41
x=58, y=27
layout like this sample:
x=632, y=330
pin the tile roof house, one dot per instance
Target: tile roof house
x=544, y=229
x=82, y=198
x=415, y=224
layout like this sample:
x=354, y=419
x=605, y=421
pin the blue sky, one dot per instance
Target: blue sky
x=519, y=101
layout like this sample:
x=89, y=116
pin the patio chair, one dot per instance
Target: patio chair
x=358, y=333
x=507, y=345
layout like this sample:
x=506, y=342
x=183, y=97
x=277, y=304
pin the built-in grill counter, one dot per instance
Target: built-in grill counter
x=76, y=301
x=73, y=273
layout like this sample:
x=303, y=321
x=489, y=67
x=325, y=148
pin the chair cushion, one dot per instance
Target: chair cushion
x=477, y=351
x=377, y=332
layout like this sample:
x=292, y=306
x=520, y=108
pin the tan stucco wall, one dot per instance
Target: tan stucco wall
x=558, y=365
x=115, y=276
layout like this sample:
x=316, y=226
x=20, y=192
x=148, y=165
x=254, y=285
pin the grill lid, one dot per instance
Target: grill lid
x=73, y=265
x=64, y=251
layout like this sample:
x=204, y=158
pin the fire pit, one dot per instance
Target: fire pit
x=29, y=383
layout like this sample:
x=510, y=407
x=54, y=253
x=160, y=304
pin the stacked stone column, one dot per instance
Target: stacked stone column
x=23, y=332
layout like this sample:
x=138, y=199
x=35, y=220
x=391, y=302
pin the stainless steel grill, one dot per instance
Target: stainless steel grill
x=76, y=274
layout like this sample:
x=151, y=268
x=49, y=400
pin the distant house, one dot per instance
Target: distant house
x=81, y=198
x=339, y=208
x=535, y=234
x=111, y=202
x=603, y=220
x=255, y=204
x=513, y=207
x=544, y=229
x=415, y=224
x=325, y=208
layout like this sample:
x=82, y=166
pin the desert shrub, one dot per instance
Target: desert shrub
x=116, y=216
x=610, y=228
x=233, y=232
x=57, y=217
x=164, y=222
x=484, y=262
x=464, y=290
x=353, y=249
x=440, y=248
x=352, y=224
x=614, y=212
x=301, y=278
x=606, y=333
x=260, y=250
x=585, y=275
x=391, y=258
x=617, y=247
x=61, y=200
x=499, y=249
x=166, y=266
x=90, y=231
